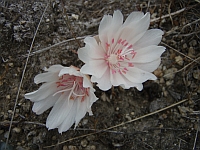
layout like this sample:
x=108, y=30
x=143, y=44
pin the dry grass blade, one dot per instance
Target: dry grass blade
x=144, y=116
x=195, y=60
x=195, y=140
x=23, y=73
x=168, y=15
x=55, y=45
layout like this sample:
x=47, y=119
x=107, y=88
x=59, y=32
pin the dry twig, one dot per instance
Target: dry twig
x=133, y=120
x=23, y=73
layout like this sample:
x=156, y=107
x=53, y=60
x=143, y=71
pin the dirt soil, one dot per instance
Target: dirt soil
x=174, y=128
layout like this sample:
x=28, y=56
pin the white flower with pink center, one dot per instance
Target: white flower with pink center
x=123, y=54
x=69, y=92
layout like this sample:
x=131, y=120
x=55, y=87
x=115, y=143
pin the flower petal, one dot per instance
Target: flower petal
x=151, y=37
x=81, y=110
x=60, y=111
x=133, y=17
x=148, y=54
x=41, y=106
x=150, y=66
x=95, y=67
x=131, y=32
x=54, y=68
x=45, y=77
x=136, y=75
x=44, y=91
x=104, y=82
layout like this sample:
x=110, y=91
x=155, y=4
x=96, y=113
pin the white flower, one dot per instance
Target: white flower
x=122, y=54
x=69, y=92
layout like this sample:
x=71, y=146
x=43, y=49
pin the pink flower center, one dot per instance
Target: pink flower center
x=119, y=56
x=72, y=84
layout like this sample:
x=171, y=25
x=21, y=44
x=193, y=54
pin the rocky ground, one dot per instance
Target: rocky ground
x=178, y=77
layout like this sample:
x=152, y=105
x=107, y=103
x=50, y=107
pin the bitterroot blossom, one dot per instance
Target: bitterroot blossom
x=123, y=54
x=69, y=92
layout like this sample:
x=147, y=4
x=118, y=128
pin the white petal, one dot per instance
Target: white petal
x=151, y=37
x=80, y=110
x=44, y=91
x=136, y=75
x=41, y=106
x=133, y=17
x=96, y=68
x=134, y=29
x=103, y=82
x=87, y=82
x=54, y=68
x=60, y=111
x=83, y=53
x=117, y=79
x=46, y=77
x=109, y=26
x=150, y=66
x=148, y=54
x=69, y=119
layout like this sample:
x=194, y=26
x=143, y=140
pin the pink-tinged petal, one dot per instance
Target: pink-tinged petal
x=151, y=37
x=92, y=97
x=43, y=92
x=41, y=106
x=133, y=17
x=150, y=66
x=136, y=75
x=117, y=79
x=83, y=53
x=131, y=32
x=94, y=50
x=45, y=77
x=139, y=86
x=148, y=54
x=81, y=110
x=69, y=119
x=104, y=82
x=108, y=28
x=61, y=109
x=54, y=68
x=86, y=82
x=96, y=68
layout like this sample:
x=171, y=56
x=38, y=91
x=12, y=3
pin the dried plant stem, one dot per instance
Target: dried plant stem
x=78, y=38
x=23, y=73
x=195, y=140
x=55, y=45
x=180, y=52
x=168, y=15
x=121, y=124
x=183, y=67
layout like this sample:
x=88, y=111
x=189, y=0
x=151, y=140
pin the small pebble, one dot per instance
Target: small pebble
x=117, y=109
x=16, y=130
x=47, y=20
x=71, y=147
x=7, y=96
x=1, y=131
x=168, y=83
x=85, y=121
x=158, y=73
x=6, y=134
x=184, y=46
x=84, y=143
x=179, y=60
x=170, y=73
x=196, y=74
x=132, y=113
x=65, y=147
x=128, y=117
